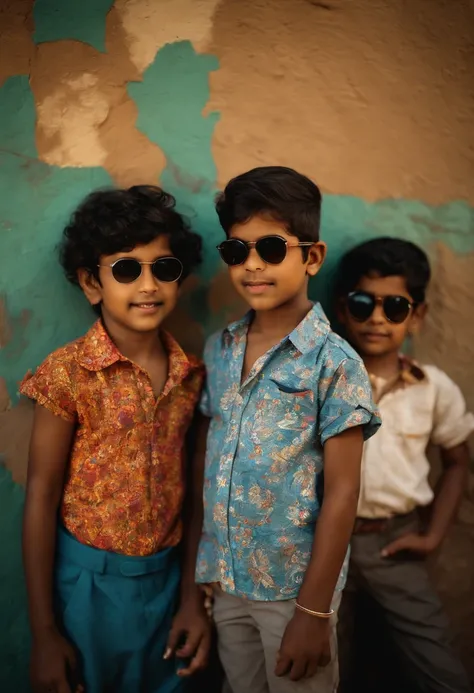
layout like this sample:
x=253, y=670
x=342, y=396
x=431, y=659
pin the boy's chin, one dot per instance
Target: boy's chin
x=365, y=349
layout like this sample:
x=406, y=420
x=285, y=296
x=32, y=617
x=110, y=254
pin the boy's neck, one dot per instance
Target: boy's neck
x=278, y=323
x=139, y=347
x=384, y=366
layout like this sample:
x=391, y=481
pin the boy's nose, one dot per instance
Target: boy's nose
x=378, y=316
x=254, y=262
x=147, y=280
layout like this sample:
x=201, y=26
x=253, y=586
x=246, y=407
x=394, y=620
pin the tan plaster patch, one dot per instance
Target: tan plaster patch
x=15, y=431
x=369, y=98
x=85, y=116
x=149, y=25
x=16, y=44
x=449, y=328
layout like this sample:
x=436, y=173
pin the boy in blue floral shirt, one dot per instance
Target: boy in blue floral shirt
x=287, y=404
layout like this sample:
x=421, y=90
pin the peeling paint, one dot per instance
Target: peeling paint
x=150, y=25
x=37, y=207
x=82, y=20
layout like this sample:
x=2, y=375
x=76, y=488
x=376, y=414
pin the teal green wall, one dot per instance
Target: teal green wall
x=36, y=199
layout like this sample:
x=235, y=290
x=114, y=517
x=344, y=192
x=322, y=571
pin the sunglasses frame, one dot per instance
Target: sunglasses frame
x=248, y=245
x=379, y=301
x=141, y=263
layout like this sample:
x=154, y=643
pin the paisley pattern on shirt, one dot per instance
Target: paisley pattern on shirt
x=125, y=480
x=264, y=461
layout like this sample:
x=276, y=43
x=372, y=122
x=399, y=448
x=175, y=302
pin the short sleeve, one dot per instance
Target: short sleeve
x=452, y=423
x=346, y=401
x=51, y=387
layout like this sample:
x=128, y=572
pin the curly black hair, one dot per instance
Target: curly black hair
x=115, y=220
x=385, y=257
x=278, y=192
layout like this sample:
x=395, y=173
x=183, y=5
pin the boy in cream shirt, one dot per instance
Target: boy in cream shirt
x=382, y=289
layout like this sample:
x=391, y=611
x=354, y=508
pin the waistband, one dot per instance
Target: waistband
x=364, y=525
x=109, y=563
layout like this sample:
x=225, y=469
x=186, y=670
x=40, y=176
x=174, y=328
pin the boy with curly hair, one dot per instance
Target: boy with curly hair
x=107, y=456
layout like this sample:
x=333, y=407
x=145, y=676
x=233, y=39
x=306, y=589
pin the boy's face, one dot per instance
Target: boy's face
x=377, y=335
x=140, y=305
x=266, y=286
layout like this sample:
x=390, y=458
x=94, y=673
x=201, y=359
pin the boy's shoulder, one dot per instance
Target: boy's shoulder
x=339, y=349
x=432, y=376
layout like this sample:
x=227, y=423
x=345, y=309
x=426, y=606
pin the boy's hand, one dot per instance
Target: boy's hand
x=53, y=663
x=421, y=544
x=305, y=647
x=190, y=635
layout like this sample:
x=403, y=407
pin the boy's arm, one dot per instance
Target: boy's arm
x=306, y=636
x=448, y=495
x=49, y=452
x=193, y=511
x=342, y=463
x=191, y=621
x=452, y=426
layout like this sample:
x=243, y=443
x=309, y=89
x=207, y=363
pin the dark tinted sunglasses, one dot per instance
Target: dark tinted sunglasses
x=361, y=305
x=272, y=249
x=127, y=270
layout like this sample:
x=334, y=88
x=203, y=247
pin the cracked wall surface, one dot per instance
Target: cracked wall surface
x=373, y=99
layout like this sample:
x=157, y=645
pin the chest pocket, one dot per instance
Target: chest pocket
x=282, y=414
x=408, y=417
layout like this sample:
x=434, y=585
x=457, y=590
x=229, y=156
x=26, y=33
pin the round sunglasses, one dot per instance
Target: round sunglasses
x=165, y=269
x=361, y=305
x=271, y=249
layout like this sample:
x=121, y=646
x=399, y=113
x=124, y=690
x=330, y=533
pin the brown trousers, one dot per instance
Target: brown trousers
x=412, y=611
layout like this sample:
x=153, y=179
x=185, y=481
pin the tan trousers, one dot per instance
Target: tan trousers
x=249, y=637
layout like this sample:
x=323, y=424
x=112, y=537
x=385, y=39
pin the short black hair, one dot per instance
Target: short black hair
x=276, y=192
x=385, y=257
x=114, y=220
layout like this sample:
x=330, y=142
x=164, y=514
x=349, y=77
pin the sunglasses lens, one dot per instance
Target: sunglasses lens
x=396, y=308
x=233, y=252
x=360, y=305
x=168, y=269
x=126, y=271
x=272, y=249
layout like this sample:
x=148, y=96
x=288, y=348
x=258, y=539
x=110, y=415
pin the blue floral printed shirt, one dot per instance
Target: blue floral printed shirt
x=264, y=460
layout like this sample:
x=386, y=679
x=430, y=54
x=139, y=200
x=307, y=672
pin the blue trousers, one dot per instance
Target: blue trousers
x=117, y=611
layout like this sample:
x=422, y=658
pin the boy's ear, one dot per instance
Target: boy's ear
x=316, y=255
x=90, y=286
x=417, y=318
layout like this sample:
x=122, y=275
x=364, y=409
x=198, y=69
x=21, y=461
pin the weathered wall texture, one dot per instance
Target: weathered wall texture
x=372, y=98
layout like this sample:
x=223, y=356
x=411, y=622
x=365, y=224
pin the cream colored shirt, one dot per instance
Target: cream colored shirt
x=428, y=408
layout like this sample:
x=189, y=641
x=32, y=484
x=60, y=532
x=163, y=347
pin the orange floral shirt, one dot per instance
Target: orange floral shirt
x=125, y=480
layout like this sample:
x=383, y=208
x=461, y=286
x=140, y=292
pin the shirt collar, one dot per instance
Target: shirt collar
x=98, y=352
x=306, y=336
x=410, y=373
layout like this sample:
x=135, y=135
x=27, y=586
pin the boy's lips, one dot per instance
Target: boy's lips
x=374, y=336
x=148, y=306
x=257, y=287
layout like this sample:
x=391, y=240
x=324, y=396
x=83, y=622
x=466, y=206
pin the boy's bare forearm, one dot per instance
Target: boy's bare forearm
x=449, y=492
x=342, y=460
x=193, y=516
x=331, y=540
x=39, y=541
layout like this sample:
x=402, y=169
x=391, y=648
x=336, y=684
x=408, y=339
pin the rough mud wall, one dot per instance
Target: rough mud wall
x=372, y=98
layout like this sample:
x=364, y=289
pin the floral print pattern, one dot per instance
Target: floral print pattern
x=264, y=461
x=125, y=480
